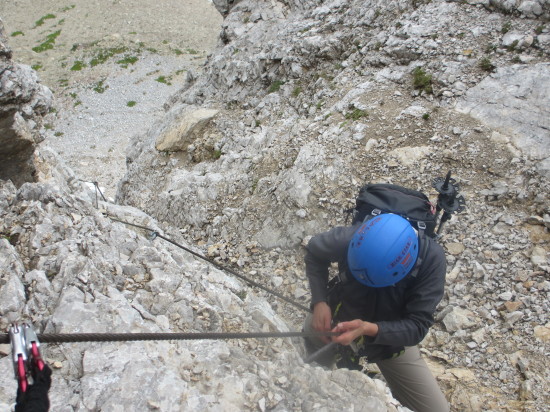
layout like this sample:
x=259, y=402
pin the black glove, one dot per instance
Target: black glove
x=35, y=398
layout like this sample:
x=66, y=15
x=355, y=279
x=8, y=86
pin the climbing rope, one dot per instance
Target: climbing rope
x=121, y=337
x=155, y=234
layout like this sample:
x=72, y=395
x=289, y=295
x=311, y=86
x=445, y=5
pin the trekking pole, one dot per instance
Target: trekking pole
x=448, y=200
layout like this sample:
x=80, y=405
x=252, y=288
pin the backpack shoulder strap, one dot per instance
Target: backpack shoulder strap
x=422, y=252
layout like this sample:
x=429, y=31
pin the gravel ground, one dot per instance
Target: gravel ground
x=112, y=66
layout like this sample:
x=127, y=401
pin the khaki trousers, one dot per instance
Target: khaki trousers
x=408, y=376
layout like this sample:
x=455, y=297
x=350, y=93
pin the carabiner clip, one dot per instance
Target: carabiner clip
x=32, y=345
x=19, y=356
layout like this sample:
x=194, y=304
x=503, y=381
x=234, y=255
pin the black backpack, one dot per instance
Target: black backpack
x=411, y=204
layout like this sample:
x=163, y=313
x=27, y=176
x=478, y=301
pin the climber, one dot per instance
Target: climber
x=390, y=280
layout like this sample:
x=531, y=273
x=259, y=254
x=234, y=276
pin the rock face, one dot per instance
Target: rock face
x=315, y=99
x=312, y=100
x=183, y=131
x=23, y=103
x=67, y=268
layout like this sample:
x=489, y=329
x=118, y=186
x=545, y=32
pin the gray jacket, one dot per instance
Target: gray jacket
x=403, y=312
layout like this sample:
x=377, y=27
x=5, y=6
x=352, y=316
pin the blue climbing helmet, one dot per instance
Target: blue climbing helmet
x=383, y=250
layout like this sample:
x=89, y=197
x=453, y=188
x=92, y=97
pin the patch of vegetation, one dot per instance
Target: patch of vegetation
x=12, y=239
x=100, y=87
x=77, y=66
x=538, y=30
x=131, y=103
x=178, y=52
x=506, y=27
x=64, y=9
x=105, y=54
x=36, y=67
x=42, y=19
x=516, y=60
x=426, y=116
x=164, y=79
x=422, y=81
x=58, y=134
x=48, y=126
x=48, y=43
x=216, y=154
x=192, y=51
x=513, y=46
x=125, y=62
x=485, y=64
x=355, y=113
x=490, y=48
x=17, y=33
x=64, y=82
x=296, y=92
x=241, y=294
x=275, y=86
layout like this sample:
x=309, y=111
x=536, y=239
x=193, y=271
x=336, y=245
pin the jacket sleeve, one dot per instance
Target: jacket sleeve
x=322, y=250
x=421, y=300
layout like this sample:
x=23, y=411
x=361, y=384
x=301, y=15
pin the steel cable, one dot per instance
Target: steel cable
x=216, y=264
x=122, y=337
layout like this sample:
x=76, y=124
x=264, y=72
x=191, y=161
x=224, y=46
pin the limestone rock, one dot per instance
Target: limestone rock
x=23, y=104
x=179, y=134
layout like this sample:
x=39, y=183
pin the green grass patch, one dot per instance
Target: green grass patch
x=58, y=134
x=485, y=64
x=126, y=61
x=178, y=52
x=131, y=103
x=422, y=81
x=43, y=19
x=48, y=126
x=64, y=9
x=48, y=43
x=100, y=87
x=105, y=54
x=77, y=66
x=356, y=114
x=36, y=67
x=275, y=86
x=296, y=92
x=165, y=80
x=192, y=51
x=17, y=33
